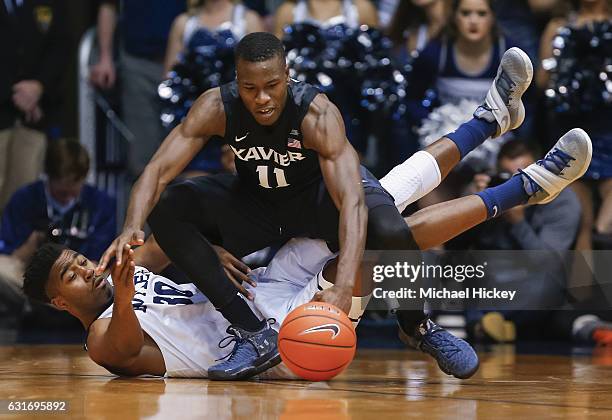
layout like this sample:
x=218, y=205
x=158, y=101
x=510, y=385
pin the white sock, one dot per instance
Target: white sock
x=414, y=178
x=358, y=303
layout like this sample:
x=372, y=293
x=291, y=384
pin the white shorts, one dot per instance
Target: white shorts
x=290, y=279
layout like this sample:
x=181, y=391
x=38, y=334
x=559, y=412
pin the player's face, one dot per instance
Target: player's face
x=263, y=88
x=474, y=20
x=74, y=286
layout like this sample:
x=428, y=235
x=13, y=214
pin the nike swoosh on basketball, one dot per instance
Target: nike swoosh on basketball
x=241, y=138
x=333, y=328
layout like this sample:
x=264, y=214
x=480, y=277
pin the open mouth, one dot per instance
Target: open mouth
x=265, y=112
x=98, y=282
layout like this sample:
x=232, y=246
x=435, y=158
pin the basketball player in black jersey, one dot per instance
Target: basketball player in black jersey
x=297, y=176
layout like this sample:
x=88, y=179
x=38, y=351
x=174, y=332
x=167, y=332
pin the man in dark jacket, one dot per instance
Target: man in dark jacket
x=33, y=39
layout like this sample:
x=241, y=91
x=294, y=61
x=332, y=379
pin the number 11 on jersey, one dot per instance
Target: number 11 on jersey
x=263, y=171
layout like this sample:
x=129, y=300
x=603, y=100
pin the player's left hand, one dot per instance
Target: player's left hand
x=236, y=271
x=26, y=94
x=341, y=297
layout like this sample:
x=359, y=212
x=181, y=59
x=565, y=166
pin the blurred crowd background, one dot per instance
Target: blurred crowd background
x=89, y=89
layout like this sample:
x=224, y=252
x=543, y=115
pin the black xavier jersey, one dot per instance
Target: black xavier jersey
x=272, y=159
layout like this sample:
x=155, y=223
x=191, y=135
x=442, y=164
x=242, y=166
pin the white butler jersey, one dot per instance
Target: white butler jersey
x=187, y=328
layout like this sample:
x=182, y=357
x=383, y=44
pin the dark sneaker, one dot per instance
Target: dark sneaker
x=454, y=356
x=253, y=353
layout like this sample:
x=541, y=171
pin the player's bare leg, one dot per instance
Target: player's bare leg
x=539, y=183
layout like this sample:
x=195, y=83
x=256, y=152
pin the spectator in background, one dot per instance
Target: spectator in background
x=325, y=13
x=414, y=24
x=525, y=19
x=598, y=123
x=60, y=208
x=212, y=16
x=198, y=29
x=144, y=28
x=549, y=227
x=459, y=67
x=32, y=48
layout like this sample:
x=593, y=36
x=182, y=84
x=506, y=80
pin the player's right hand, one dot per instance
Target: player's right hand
x=129, y=236
x=123, y=278
x=236, y=271
x=103, y=74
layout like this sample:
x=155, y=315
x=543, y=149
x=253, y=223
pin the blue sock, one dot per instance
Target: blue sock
x=472, y=134
x=505, y=196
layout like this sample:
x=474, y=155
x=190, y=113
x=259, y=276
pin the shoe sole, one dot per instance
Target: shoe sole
x=587, y=162
x=247, y=373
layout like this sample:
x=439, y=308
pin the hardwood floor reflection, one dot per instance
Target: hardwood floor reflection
x=379, y=384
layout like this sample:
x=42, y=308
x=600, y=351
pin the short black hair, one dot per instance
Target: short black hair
x=259, y=46
x=37, y=272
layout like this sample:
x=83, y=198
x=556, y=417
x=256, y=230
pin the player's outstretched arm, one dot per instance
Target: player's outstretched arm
x=117, y=342
x=205, y=119
x=324, y=132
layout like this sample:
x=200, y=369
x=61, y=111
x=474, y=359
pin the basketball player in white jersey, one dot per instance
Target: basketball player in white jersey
x=142, y=323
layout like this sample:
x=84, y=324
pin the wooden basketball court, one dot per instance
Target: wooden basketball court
x=380, y=384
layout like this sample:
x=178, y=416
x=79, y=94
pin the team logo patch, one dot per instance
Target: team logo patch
x=333, y=328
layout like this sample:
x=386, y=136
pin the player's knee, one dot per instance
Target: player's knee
x=384, y=233
x=167, y=207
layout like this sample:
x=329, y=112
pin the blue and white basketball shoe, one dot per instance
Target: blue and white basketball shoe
x=253, y=353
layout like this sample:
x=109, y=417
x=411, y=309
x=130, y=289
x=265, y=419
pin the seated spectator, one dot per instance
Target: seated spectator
x=33, y=39
x=582, y=107
x=551, y=226
x=61, y=208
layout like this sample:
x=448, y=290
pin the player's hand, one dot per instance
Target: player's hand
x=103, y=74
x=341, y=297
x=236, y=271
x=26, y=94
x=123, y=278
x=129, y=236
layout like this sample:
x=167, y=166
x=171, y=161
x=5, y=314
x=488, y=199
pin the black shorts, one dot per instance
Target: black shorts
x=246, y=222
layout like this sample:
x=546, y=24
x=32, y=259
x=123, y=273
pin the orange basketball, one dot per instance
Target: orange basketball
x=317, y=341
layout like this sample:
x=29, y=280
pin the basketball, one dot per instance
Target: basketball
x=317, y=341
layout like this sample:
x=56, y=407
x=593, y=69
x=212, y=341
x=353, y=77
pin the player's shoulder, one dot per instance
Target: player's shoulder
x=207, y=115
x=320, y=105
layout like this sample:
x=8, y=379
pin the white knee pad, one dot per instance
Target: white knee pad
x=412, y=179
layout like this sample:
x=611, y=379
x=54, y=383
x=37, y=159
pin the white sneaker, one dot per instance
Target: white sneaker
x=503, y=103
x=567, y=161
